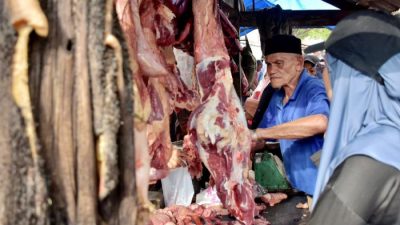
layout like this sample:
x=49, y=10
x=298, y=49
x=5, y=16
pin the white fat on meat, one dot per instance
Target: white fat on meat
x=220, y=122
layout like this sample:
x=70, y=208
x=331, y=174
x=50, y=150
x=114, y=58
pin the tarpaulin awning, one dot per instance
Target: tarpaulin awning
x=285, y=4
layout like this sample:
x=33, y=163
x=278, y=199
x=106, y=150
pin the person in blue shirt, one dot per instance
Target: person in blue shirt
x=297, y=114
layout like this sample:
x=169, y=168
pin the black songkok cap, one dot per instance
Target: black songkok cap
x=283, y=43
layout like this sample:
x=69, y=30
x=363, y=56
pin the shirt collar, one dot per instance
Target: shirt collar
x=281, y=92
x=302, y=79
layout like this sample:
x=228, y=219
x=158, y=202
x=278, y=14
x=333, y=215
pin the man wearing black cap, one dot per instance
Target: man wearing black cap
x=297, y=113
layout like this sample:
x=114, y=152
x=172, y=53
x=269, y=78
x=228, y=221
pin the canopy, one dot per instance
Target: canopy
x=285, y=4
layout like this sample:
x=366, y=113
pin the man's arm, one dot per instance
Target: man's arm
x=297, y=129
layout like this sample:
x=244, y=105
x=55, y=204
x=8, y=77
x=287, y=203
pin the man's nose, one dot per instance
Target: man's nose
x=271, y=69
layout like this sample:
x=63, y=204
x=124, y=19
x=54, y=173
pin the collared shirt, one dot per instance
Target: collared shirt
x=309, y=98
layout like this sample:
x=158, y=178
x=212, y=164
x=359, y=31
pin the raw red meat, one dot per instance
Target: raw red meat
x=195, y=215
x=146, y=28
x=273, y=198
x=192, y=157
x=218, y=126
x=142, y=105
x=185, y=98
x=166, y=93
x=158, y=134
x=230, y=35
x=149, y=56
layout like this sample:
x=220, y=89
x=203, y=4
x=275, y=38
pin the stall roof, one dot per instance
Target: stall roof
x=384, y=5
x=257, y=5
x=288, y=4
x=315, y=8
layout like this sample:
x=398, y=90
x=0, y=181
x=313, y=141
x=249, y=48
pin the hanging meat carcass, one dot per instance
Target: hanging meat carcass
x=164, y=100
x=151, y=27
x=160, y=27
x=142, y=107
x=218, y=126
x=158, y=134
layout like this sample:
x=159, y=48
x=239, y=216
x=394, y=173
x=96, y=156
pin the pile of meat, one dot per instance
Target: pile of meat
x=217, y=131
x=196, y=215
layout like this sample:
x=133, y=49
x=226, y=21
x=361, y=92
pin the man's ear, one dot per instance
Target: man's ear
x=300, y=63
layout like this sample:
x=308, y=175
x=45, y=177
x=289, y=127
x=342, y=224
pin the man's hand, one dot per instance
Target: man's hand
x=256, y=144
x=254, y=135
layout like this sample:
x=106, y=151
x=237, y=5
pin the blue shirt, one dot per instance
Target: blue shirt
x=309, y=98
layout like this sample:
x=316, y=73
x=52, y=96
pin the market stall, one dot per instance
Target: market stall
x=103, y=99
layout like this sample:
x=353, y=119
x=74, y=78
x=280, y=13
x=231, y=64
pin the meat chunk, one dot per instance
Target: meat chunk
x=230, y=34
x=218, y=126
x=273, y=198
x=149, y=25
x=222, y=139
x=159, y=139
x=166, y=93
x=185, y=98
x=195, y=215
x=148, y=54
x=192, y=157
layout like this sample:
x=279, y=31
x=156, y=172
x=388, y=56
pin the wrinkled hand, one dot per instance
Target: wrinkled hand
x=254, y=135
x=257, y=143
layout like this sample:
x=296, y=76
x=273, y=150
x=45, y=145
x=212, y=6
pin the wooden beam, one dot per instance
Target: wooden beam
x=387, y=6
x=299, y=18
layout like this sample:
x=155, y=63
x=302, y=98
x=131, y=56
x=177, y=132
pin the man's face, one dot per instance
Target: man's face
x=310, y=68
x=284, y=68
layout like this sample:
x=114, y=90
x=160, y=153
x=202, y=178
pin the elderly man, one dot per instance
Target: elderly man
x=298, y=112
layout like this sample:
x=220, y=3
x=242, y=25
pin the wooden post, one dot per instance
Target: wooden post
x=66, y=70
